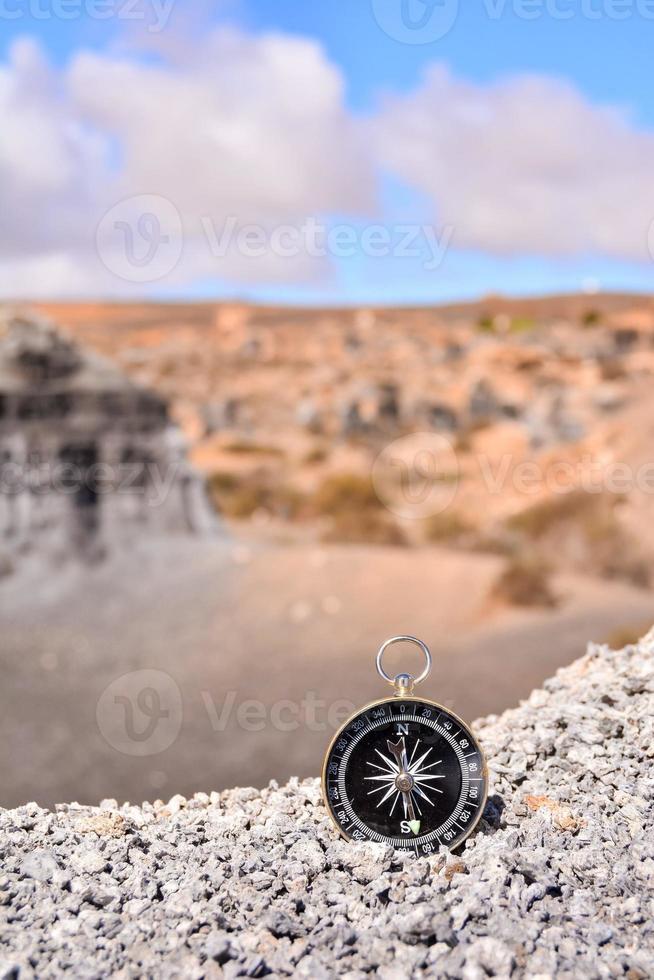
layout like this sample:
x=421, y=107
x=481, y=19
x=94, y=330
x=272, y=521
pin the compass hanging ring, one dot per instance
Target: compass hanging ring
x=404, y=683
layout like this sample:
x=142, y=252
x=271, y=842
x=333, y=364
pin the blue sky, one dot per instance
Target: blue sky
x=603, y=51
x=609, y=59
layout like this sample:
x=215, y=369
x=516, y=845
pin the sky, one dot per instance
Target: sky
x=351, y=151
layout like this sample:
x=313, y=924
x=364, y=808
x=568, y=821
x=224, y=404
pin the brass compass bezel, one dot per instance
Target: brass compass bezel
x=394, y=699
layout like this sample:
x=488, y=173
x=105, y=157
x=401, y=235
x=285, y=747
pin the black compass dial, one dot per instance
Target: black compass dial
x=405, y=772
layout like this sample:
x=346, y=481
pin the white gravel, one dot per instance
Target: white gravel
x=557, y=882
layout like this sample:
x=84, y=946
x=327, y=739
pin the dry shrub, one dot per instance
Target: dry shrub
x=449, y=527
x=239, y=497
x=522, y=324
x=612, y=370
x=455, y=530
x=220, y=482
x=525, y=582
x=627, y=568
x=583, y=530
x=345, y=493
x=462, y=443
x=368, y=527
x=590, y=318
x=538, y=520
x=252, y=449
x=316, y=455
x=356, y=514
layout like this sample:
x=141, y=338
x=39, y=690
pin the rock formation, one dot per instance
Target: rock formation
x=556, y=882
x=87, y=457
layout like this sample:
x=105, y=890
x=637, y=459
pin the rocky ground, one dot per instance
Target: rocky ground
x=555, y=883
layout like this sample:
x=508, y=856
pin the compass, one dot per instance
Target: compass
x=404, y=770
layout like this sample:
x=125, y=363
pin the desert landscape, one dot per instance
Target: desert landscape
x=478, y=475
x=534, y=417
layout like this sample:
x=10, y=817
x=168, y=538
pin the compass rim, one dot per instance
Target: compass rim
x=394, y=699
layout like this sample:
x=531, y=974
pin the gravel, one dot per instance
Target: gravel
x=556, y=882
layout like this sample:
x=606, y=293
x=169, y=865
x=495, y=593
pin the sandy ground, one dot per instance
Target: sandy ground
x=200, y=664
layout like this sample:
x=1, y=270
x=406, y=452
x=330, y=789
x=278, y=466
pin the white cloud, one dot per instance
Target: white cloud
x=50, y=163
x=248, y=126
x=522, y=165
x=257, y=127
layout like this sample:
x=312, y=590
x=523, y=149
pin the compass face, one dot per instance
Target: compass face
x=405, y=772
